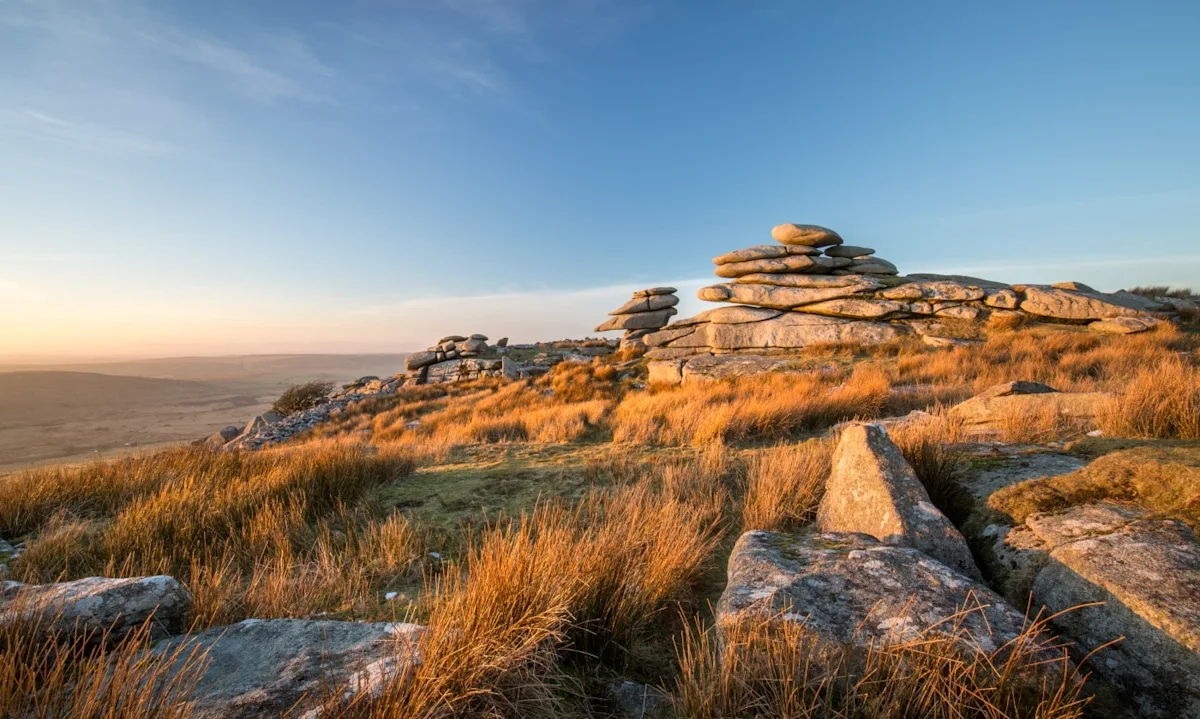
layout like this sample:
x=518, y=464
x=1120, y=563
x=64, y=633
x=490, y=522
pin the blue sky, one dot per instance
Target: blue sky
x=238, y=176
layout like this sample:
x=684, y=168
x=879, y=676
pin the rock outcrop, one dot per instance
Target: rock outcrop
x=273, y=667
x=100, y=607
x=813, y=289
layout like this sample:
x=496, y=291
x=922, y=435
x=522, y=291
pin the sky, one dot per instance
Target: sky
x=262, y=176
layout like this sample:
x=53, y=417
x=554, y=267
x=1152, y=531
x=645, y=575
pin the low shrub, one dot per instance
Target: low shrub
x=300, y=397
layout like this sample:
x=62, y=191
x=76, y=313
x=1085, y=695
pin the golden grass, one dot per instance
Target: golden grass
x=784, y=485
x=261, y=534
x=543, y=591
x=930, y=446
x=769, y=668
x=770, y=407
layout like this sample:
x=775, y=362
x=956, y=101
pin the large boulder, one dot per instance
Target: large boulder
x=260, y=668
x=417, y=360
x=221, y=437
x=1127, y=592
x=851, y=588
x=772, y=296
x=790, y=233
x=100, y=607
x=873, y=490
x=1073, y=305
x=990, y=415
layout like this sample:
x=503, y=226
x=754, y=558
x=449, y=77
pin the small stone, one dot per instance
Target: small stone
x=481, y=338
x=451, y=338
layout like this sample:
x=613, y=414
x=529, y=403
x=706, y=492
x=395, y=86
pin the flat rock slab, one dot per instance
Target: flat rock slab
x=260, y=668
x=1071, y=305
x=1145, y=575
x=1006, y=471
x=99, y=604
x=649, y=291
x=722, y=367
x=958, y=279
x=850, y=588
x=854, y=308
x=763, y=252
x=639, y=321
x=646, y=304
x=807, y=281
x=1123, y=325
x=934, y=291
x=873, y=490
x=851, y=251
x=781, y=298
x=791, y=330
x=789, y=263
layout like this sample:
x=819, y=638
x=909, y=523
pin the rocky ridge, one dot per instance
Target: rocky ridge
x=812, y=289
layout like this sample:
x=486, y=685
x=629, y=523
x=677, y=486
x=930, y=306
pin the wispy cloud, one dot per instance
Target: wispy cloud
x=32, y=123
x=276, y=69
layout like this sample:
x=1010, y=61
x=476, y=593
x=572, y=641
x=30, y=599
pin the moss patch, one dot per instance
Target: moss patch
x=1162, y=478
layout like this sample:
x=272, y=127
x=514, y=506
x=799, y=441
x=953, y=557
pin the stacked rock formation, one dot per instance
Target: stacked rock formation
x=647, y=311
x=811, y=288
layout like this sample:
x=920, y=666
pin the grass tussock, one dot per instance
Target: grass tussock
x=46, y=671
x=769, y=668
x=784, y=485
x=1160, y=401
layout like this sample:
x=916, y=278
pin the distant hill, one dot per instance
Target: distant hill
x=75, y=412
x=238, y=368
